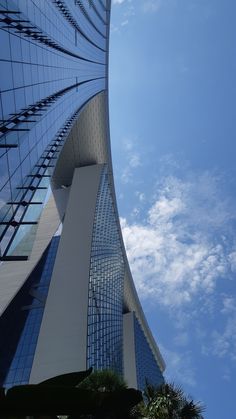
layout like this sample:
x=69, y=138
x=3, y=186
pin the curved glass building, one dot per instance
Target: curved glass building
x=67, y=298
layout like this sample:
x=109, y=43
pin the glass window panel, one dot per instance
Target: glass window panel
x=16, y=179
x=5, y=197
x=25, y=167
x=29, y=95
x=33, y=212
x=33, y=54
x=17, y=74
x=39, y=195
x=104, y=277
x=23, y=240
x=15, y=48
x=5, y=241
x=6, y=80
x=8, y=103
x=13, y=159
x=27, y=74
x=27, y=321
x=10, y=376
x=33, y=156
x=45, y=182
x=24, y=146
x=20, y=102
x=25, y=48
x=4, y=174
x=5, y=45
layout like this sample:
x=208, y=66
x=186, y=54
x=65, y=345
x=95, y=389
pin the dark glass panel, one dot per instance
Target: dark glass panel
x=20, y=323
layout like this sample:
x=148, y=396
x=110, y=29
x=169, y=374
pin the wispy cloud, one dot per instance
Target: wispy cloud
x=221, y=341
x=151, y=5
x=232, y=260
x=117, y=1
x=133, y=161
x=181, y=250
x=226, y=374
x=123, y=15
x=146, y=5
x=135, y=212
x=229, y=305
x=114, y=28
x=140, y=196
x=181, y=339
x=180, y=367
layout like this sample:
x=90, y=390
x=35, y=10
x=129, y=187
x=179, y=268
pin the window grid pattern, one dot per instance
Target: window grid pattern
x=104, y=340
x=100, y=12
x=49, y=70
x=147, y=368
x=83, y=23
x=22, y=351
x=29, y=197
x=91, y=14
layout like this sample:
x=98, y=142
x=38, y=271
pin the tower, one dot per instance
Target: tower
x=67, y=298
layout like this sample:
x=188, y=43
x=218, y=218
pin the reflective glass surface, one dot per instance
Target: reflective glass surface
x=20, y=323
x=52, y=61
x=147, y=368
x=105, y=328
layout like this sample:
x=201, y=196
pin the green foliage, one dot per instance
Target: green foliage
x=101, y=395
x=168, y=401
x=105, y=380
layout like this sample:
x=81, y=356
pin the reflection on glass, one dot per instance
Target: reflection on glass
x=31, y=72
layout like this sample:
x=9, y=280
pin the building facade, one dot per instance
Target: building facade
x=67, y=298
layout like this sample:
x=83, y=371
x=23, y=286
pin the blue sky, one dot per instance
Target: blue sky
x=172, y=116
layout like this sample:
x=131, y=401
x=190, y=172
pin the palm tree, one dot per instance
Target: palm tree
x=104, y=396
x=168, y=401
x=115, y=399
x=104, y=380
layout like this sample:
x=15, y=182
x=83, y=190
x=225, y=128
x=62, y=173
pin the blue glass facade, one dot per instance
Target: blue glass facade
x=105, y=302
x=53, y=60
x=20, y=323
x=147, y=368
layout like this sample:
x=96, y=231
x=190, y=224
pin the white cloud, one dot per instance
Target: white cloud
x=226, y=374
x=140, y=195
x=117, y=1
x=229, y=305
x=232, y=260
x=146, y=5
x=122, y=15
x=179, y=367
x=223, y=342
x=130, y=11
x=135, y=212
x=176, y=254
x=133, y=161
x=151, y=5
x=113, y=28
x=128, y=144
x=181, y=339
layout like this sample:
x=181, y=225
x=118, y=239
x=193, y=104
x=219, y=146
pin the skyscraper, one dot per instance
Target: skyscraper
x=67, y=298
